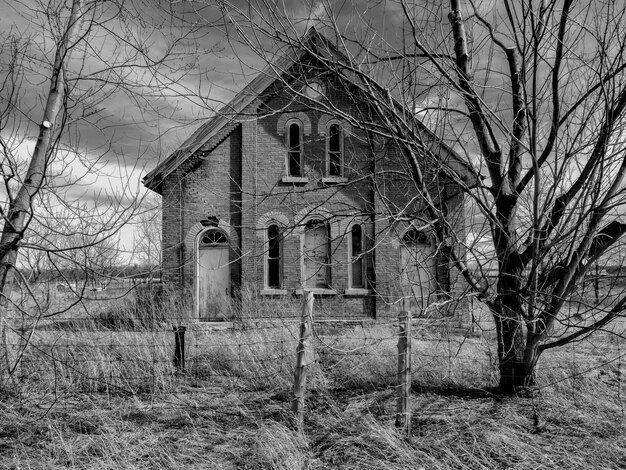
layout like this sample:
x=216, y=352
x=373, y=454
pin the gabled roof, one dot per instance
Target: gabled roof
x=218, y=127
x=228, y=112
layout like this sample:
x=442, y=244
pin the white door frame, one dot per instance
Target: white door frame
x=198, y=246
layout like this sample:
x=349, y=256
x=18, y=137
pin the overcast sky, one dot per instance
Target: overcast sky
x=131, y=130
x=124, y=131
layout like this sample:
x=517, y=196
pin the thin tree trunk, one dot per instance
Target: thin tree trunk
x=20, y=208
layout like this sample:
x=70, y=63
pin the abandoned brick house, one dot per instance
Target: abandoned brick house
x=274, y=194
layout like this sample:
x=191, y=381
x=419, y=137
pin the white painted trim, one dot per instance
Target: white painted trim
x=363, y=256
x=316, y=291
x=302, y=133
x=266, y=248
x=271, y=292
x=326, y=133
x=294, y=179
x=357, y=292
x=334, y=179
x=196, y=269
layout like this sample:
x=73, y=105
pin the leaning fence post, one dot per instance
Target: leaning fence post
x=304, y=356
x=179, y=348
x=403, y=409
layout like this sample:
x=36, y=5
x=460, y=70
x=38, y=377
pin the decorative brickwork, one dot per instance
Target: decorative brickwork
x=235, y=180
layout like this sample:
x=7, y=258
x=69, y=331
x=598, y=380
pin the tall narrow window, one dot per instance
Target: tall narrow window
x=294, y=146
x=273, y=257
x=335, y=153
x=357, y=261
x=316, y=254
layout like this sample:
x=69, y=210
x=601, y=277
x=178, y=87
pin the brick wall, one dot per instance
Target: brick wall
x=208, y=185
x=240, y=181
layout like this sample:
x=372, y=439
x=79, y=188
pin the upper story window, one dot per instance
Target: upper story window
x=334, y=150
x=294, y=148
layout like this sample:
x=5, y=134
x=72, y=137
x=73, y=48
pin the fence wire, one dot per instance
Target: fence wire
x=69, y=356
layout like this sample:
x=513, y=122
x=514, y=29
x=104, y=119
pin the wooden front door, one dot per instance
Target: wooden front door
x=213, y=276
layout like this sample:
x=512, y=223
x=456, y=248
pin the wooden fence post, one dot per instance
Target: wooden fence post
x=304, y=356
x=403, y=409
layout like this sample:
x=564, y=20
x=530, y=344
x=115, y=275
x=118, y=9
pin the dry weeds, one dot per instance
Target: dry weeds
x=110, y=399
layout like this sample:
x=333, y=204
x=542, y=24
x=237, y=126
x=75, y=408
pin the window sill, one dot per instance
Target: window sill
x=334, y=180
x=317, y=291
x=357, y=292
x=271, y=292
x=295, y=179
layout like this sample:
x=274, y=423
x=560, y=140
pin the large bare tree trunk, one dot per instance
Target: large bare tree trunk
x=20, y=207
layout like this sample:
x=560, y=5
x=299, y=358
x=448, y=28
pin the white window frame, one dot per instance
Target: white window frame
x=198, y=245
x=337, y=123
x=266, y=276
x=288, y=125
x=362, y=257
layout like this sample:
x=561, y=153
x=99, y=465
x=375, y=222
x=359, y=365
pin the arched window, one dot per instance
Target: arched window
x=316, y=254
x=334, y=150
x=294, y=148
x=414, y=236
x=273, y=275
x=357, y=258
x=213, y=238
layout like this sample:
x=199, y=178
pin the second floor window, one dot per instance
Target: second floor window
x=335, y=150
x=294, y=149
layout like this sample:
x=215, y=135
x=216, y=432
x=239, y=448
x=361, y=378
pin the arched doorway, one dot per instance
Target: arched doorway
x=213, y=275
x=417, y=275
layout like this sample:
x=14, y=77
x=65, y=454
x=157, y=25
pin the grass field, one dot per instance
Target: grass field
x=89, y=400
x=102, y=395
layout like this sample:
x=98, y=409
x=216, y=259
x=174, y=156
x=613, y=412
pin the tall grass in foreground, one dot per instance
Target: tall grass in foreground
x=127, y=348
x=263, y=358
x=110, y=397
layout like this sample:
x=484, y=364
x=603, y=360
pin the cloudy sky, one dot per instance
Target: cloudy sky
x=145, y=74
x=129, y=116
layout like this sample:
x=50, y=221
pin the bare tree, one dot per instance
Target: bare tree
x=101, y=55
x=147, y=242
x=534, y=94
x=82, y=76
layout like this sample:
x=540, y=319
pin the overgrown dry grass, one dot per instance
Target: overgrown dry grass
x=452, y=429
x=110, y=399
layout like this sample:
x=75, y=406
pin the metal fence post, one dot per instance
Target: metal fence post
x=403, y=409
x=179, y=348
